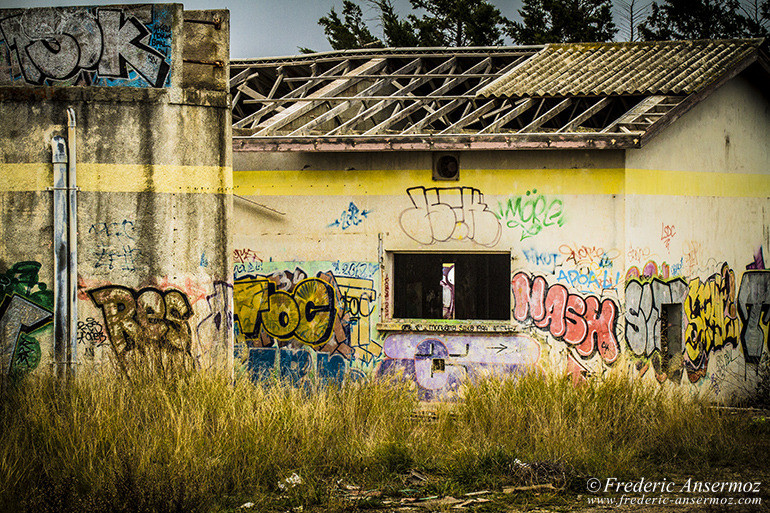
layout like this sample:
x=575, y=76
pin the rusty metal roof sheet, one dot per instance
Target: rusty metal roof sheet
x=637, y=68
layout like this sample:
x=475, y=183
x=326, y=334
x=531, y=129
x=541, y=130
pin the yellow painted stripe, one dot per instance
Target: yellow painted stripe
x=122, y=178
x=694, y=183
x=394, y=182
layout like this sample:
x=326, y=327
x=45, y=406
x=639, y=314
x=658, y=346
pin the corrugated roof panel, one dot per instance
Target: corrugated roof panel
x=668, y=67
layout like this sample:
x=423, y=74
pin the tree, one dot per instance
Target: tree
x=351, y=33
x=444, y=23
x=458, y=23
x=630, y=13
x=563, y=21
x=398, y=32
x=703, y=19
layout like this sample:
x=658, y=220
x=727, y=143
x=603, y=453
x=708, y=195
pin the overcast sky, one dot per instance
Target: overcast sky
x=270, y=28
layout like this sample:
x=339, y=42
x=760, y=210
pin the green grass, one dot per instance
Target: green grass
x=205, y=443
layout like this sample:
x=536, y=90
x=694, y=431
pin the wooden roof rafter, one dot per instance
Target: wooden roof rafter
x=553, y=96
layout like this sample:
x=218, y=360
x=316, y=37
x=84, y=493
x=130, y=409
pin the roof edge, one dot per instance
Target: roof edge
x=531, y=141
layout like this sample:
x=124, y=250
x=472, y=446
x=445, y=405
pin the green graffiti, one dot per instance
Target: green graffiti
x=23, y=280
x=531, y=213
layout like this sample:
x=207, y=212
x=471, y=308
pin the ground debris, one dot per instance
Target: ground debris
x=537, y=487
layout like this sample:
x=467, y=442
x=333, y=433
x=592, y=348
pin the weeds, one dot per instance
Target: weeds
x=203, y=442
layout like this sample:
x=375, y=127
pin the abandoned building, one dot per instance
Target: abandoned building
x=438, y=213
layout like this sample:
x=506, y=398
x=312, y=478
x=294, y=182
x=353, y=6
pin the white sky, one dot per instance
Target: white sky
x=270, y=28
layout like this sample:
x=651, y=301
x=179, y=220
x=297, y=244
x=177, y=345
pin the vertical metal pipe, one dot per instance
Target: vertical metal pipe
x=60, y=257
x=72, y=241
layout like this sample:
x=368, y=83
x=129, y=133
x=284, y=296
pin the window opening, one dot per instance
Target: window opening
x=670, y=333
x=461, y=286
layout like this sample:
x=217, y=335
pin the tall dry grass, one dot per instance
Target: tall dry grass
x=203, y=442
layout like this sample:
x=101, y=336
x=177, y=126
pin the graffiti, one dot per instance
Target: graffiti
x=638, y=254
x=91, y=335
x=587, y=324
x=328, y=312
x=644, y=305
x=652, y=270
x=115, y=245
x=295, y=366
x=243, y=256
x=145, y=320
x=759, y=261
x=754, y=311
x=712, y=316
x=592, y=257
x=691, y=254
x=589, y=281
x=721, y=371
x=355, y=269
x=306, y=313
x=87, y=46
x=245, y=269
x=548, y=260
x=667, y=233
x=204, y=261
x=218, y=322
x=439, y=214
x=386, y=294
x=531, y=213
x=19, y=317
x=353, y=216
x=440, y=364
x=26, y=306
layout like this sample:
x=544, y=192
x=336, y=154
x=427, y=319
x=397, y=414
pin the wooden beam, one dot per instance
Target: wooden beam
x=382, y=104
x=459, y=78
x=298, y=109
x=536, y=141
x=635, y=111
x=539, y=121
x=293, y=94
x=339, y=109
x=512, y=114
x=586, y=114
x=470, y=117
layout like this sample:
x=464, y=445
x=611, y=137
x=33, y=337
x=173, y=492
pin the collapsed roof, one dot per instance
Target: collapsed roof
x=579, y=95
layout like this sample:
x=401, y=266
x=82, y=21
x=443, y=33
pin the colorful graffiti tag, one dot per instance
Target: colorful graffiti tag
x=754, y=311
x=26, y=306
x=327, y=312
x=440, y=364
x=146, y=322
x=586, y=323
x=644, y=304
x=87, y=46
x=439, y=214
x=531, y=213
x=712, y=317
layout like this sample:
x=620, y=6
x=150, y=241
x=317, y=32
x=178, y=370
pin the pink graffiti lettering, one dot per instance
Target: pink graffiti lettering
x=585, y=323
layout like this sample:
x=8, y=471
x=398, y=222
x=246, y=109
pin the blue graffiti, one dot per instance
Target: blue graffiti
x=294, y=366
x=589, y=281
x=353, y=216
x=535, y=257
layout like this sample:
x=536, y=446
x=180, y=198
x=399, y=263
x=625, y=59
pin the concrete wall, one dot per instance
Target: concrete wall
x=698, y=229
x=340, y=218
x=155, y=177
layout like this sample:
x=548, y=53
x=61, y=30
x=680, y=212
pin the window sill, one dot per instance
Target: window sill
x=447, y=326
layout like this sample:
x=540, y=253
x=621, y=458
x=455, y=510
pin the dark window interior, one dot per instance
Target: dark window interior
x=479, y=290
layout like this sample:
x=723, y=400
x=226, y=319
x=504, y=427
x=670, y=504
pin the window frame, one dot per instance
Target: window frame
x=389, y=321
